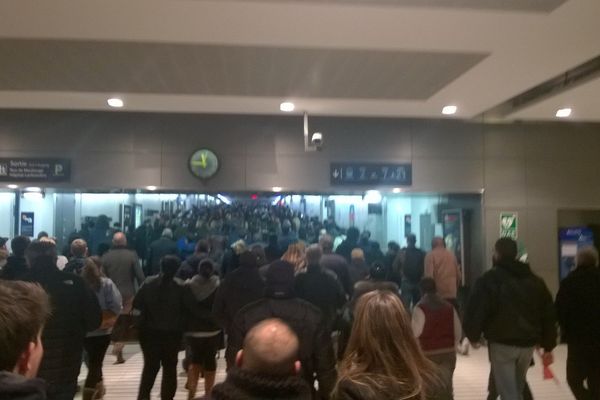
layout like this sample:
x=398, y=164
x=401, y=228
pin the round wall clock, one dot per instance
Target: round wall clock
x=204, y=164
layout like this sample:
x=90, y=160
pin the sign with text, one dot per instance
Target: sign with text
x=27, y=224
x=509, y=225
x=371, y=174
x=35, y=170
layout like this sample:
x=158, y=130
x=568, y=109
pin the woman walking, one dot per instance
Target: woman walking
x=203, y=334
x=96, y=342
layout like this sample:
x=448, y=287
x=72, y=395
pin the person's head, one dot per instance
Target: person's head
x=393, y=247
x=79, y=248
x=239, y=247
x=119, y=239
x=295, y=255
x=92, y=272
x=206, y=268
x=286, y=226
x=326, y=242
x=19, y=244
x=352, y=234
x=41, y=254
x=427, y=286
x=3, y=243
x=357, y=255
x=505, y=250
x=437, y=242
x=259, y=253
x=279, y=282
x=25, y=309
x=168, y=233
x=202, y=247
x=42, y=234
x=587, y=257
x=378, y=272
x=313, y=255
x=365, y=235
x=270, y=348
x=382, y=352
x=411, y=240
x=169, y=266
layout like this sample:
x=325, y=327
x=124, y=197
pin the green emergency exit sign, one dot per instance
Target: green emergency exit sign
x=509, y=224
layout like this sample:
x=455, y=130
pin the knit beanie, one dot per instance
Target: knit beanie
x=280, y=280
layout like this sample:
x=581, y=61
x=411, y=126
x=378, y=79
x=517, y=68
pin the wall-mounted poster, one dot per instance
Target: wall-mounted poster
x=27, y=224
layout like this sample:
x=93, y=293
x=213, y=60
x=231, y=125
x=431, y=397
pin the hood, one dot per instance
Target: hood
x=515, y=268
x=17, y=387
x=201, y=287
x=244, y=384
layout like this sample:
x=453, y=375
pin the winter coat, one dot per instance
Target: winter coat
x=241, y=287
x=15, y=269
x=578, y=306
x=201, y=318
x=75, y=311
x=345, y=249
x=321, y=289
x=162, y=304
x=189, y=268
x=17, y=387
x=512, y=306
x=442, y=266
x=336, y=263
x=315, y=350
x=158, y=249
x=246, y=385
x=122, y=266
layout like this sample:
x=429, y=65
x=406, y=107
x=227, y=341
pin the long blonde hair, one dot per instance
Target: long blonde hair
x=295, y=255
x=383, y=355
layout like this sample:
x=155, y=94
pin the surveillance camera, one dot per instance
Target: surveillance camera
x=317, y=139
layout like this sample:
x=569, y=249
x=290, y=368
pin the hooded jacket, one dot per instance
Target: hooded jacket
x=17, y=387
x=201, y=318
x=512, y=306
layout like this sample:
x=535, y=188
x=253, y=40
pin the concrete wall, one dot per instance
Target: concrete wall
x=533, y=169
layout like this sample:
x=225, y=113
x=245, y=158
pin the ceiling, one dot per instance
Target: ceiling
x=400, y=58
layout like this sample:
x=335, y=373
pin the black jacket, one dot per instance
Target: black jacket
x=316, y=350
x=17, y=387
x=241, y=287
x=75, y=265
x=345, y=249
x=158, y=249
x=199, y=315
x=15, y=269
x=338, y=264
x=245, y=385
x=75, y=311
x=510, y=305
x=162, y=305
x=578, y=306
x=321, y=289
x=189, y=268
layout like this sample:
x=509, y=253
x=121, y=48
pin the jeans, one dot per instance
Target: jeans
x=447, y=364
x=95, y=347
x=509, y=367
x=583, y=364
x=159, y=348
x=409, y=293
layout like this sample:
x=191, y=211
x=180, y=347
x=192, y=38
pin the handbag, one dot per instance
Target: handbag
x=126, y=328
x=109, y=319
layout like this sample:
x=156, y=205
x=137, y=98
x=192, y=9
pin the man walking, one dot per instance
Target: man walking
x=441, y=265
x=513, y=309
x=410, y=262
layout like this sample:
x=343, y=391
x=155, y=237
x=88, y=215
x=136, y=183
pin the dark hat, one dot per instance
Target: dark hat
x=3, y=241
x=280, y=280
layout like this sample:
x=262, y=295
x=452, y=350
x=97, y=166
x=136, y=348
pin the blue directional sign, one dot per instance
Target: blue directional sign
x=371, y=174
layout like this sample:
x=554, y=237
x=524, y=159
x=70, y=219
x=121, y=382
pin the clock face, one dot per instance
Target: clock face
x=204, y=164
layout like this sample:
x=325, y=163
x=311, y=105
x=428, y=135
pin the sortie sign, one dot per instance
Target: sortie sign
x=35, y=170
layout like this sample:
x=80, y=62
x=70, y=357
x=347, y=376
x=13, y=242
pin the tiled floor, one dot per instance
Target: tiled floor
x=470, y=377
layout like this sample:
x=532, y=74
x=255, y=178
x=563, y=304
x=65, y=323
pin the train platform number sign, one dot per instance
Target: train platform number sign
x=509, y=224
x=371, y=174
x=35, y=169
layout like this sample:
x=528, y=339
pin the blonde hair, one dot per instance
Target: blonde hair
x=383, y=355
x=295, y=255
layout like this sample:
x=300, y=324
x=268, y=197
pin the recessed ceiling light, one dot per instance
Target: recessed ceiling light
x=12, y=186
x=151, y=187
x=397, y=190
x=33, y=189
x=115, y=102
x=277, y=189
x=449, y=110
x=287, y=106
x=563, y=112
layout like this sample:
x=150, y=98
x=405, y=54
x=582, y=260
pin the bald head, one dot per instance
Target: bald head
x=119, y=239
x=438, y=242
x=313, y=254
x=271, y=347
x=326, y=242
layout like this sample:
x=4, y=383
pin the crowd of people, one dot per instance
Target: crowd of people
x=303, y=310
